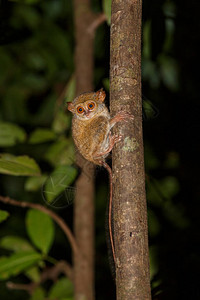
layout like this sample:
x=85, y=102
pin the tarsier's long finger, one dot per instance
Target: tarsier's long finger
x=117, y=138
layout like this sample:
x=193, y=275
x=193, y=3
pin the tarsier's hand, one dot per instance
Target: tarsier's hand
x=121, y=116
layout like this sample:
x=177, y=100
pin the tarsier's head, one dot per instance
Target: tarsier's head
x=86, y=105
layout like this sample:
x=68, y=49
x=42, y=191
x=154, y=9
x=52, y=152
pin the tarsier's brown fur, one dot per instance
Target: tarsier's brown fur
x=91, y=130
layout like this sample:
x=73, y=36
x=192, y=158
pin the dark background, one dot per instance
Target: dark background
x=36, y=63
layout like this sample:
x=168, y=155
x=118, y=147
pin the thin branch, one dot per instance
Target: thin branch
x=49, y=212
x=53, y=272
x=101, y=18
x=49, y=273
x=30, y=287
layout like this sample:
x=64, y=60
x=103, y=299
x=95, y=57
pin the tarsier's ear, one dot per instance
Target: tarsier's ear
x=70, y=106
x=101, y=95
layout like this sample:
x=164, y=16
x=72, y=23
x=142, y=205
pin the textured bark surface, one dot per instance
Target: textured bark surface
x=84, y=199
x=130, y=211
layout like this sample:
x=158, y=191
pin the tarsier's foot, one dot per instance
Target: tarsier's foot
x=113, y=139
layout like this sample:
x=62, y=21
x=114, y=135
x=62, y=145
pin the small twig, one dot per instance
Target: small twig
x=49, y=212
x=30, y=287
x=53, y=272
x=101, y=18
x=49, y=273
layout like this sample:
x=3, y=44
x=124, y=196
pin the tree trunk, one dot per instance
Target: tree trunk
x=84, y=198
x=129, y=200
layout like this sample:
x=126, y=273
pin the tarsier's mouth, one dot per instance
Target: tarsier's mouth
x=88, y=114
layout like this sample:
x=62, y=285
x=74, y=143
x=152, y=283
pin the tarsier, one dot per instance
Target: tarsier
x=91, y=131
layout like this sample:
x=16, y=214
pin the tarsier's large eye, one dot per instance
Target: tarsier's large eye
x=80, y=109
x=91, y=105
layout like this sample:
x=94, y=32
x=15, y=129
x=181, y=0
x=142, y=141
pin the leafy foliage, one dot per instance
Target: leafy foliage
x=41, y=135
x=36, y=75
x=18, y=165
x=10, y=134
x=63, y=289
x=3, y=215
x=38, y=294
x=15, y=243
x=17, y=263
x=58, y=181
x=107, y=10
x=40, y=229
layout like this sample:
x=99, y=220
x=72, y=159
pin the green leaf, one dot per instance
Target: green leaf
x=3, y=215
x=169, y=72
x=70, y=90
x=169, y=186
x=33, y=274
x=40, y=228
x=17, y=263
x=18, y=165
x=150, y=73
x=6, y=63
x=154, y=224
x=14, y=101
x=61, y=153
x=169, y=9
x=172, y=161
x=15, y=243
x=154, y=264
x=58, y=181
x=61, y=122
x=147, y=39
x=176, y=214
x=34, y=60
x=60, y=44
x=106, y=84
x=34, y=81
x=151, y=160
x=10, y=134
x=107, y=10
x=63, y=288
x=38, y=294
x=41, y=135
x=18, y=244
x=33, y=184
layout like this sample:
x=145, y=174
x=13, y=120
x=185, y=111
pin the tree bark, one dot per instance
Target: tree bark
x=129, y=198
x=84, y=198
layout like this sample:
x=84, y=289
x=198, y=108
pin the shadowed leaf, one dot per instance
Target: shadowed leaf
x=17, y=263
x=3, y=215
x=40, y=228
x=10, y=134
x=41, y=135
x=18, y=165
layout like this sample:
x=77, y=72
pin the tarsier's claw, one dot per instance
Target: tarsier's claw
x=117, y=138
x=124, y=116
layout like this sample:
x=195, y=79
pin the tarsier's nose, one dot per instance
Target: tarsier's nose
x=87, y=113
